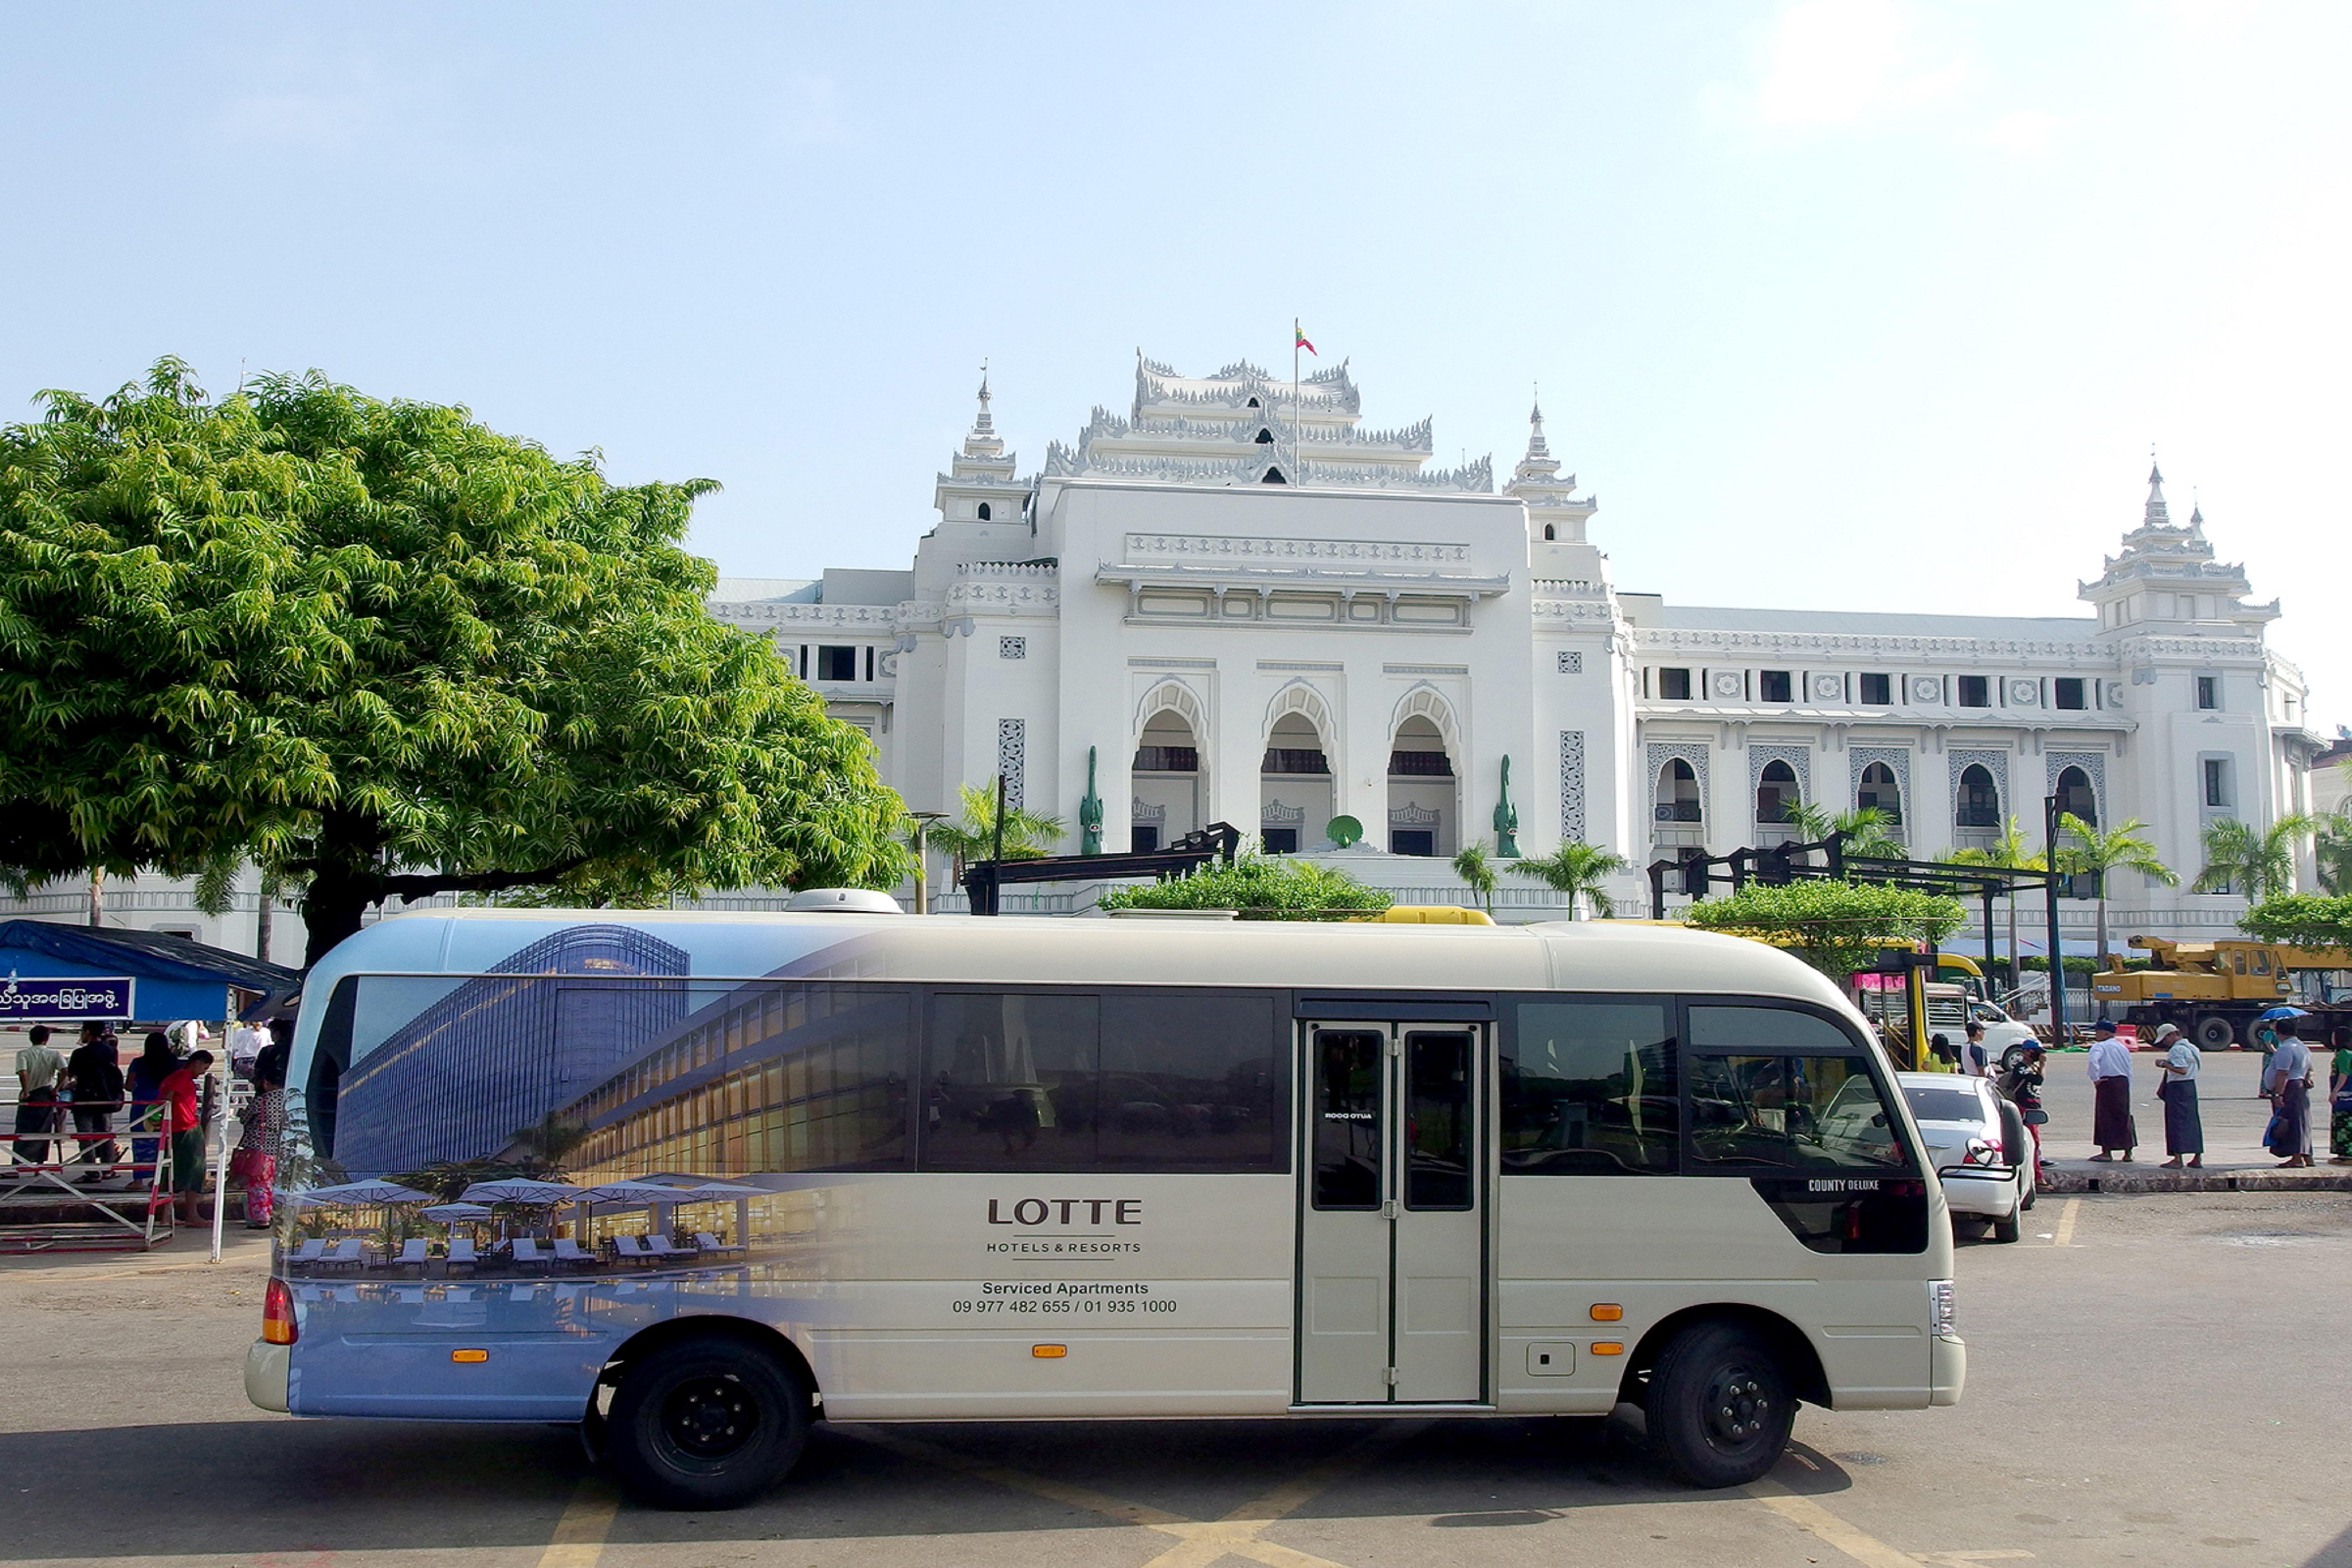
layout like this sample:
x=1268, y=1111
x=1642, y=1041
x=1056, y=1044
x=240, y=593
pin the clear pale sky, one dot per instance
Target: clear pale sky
x=1833, y=302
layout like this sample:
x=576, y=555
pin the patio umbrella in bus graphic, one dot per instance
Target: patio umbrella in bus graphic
x=364, y=1195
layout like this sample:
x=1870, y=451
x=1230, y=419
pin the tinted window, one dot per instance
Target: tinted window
x=1945, y=1104
x=1877, y=690
x=1674, y=685
x=1193, y=1082
x=1009, y=1082
x=1347, y=1101
x=1437, y=1120
x=1052, y=1081
x=1588, y=1086
x=1798, y=1112
x=1766, y=1028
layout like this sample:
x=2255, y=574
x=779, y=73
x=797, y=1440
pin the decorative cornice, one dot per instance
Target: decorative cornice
x=1244, y=548
x=1967, y=650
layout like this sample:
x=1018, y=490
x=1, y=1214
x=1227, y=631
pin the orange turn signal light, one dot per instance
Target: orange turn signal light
x=1607, y=1313
x=1607, y=1347
x=1049, y=1353
x=468, y=1357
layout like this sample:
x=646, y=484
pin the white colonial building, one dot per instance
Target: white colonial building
x=1237, y=603
x=1242, y=605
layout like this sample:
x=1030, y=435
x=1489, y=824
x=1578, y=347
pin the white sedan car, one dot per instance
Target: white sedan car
x=1977, y=1144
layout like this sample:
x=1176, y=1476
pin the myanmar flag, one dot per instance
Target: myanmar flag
x=1302, y=341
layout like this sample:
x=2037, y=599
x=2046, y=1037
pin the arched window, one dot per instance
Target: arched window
x=1677, y=792
x=1878, y=792
x=1273, y=477
x=2075, y=796
x=1980, y=801
x=983, y=512
x=1264, y=437
x=1550, y=532
x=1776, y=792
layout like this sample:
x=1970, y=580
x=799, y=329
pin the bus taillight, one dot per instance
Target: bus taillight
x=278, y=1326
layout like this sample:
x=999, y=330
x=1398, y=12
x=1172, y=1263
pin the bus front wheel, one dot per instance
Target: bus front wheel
x=702, y=1423
x=1719, y=1409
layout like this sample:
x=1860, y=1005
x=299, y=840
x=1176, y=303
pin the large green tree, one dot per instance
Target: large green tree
x=391, y=652
x=1837, y=927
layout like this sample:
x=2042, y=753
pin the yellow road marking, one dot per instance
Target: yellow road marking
x=1828, y=1528
x=1962, y=1559
x=2064, y=1235
x=580, y=1534
x=1200, y=1541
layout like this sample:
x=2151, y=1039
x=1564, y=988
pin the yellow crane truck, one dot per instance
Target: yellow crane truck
x=2215, y=990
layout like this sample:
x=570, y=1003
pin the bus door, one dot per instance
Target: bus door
x=1393, y=1206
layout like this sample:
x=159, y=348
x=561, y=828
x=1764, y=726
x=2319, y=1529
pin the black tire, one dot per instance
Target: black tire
x=1718, y=1409
x=705, y=1423
x=2215, y=1033
x=2009, y=1227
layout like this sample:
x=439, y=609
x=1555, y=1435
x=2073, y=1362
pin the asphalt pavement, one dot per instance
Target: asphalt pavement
x=2152, y=1379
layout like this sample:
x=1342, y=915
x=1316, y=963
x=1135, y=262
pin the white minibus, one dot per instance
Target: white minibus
x=694, y=1181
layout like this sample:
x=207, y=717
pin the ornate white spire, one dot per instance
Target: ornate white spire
x=2166, y=572
x=2157, y=514
x=983, y=426
x=1536, y=449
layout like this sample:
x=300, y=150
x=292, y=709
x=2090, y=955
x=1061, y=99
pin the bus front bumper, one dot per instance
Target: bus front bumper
x=1947, y=1369
x=268, y=1375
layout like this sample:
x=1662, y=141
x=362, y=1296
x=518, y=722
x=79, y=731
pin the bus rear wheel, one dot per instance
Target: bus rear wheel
x=705, y=1423
x=1719, y=1409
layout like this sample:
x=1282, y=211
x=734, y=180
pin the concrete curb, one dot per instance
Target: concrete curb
x=2128, y=1180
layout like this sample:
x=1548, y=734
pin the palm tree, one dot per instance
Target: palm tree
x=1866, y=829
x=2240, y=860
x=2085, y=851
x=2010, y=852
x=1027, y=835
x=1576, y=868
x=1473, y=867
x=2332, y=849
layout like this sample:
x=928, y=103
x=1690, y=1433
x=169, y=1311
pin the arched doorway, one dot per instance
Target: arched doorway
x=1878, y=790
x=1978, y=806
x=1776, y=793
x=1167, y=782
x=1294, y=786
x=1424, y=817
x=2075, y=795
x=1676, y=807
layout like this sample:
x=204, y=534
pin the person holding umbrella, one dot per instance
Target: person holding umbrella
x=2289, y=1084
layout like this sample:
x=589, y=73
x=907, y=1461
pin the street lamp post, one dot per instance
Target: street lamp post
x=2057, y=952
x=922, y=821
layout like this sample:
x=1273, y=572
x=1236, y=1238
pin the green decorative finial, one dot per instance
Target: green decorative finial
x=1507, y=819
x=1090, y=812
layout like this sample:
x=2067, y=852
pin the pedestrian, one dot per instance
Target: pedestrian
x=2266, y=1041
x=183, y=1123
x=2184, y=1128
x=2289, y=1083
x=254, y=1161
x=2111, y=1077
x=2339, y=1096
x=1974, y=1060
x=2022, y=1084
x=144, y=1086
x=94, y=1072
x=38, y=1068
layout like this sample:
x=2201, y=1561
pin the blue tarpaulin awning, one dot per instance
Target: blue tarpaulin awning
x=54, y=973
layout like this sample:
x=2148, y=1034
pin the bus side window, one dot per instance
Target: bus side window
x=1010, y=1082
x=1589, y=1088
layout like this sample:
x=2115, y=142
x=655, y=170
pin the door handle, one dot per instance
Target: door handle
x=1389, y=1209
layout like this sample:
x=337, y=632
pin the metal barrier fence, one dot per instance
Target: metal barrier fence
x=130, y=1198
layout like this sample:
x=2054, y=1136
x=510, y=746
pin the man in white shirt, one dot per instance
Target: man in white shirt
x=37, y=1065
x=38, y=1068
x=2111, y=1076
x=2184, y=1125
